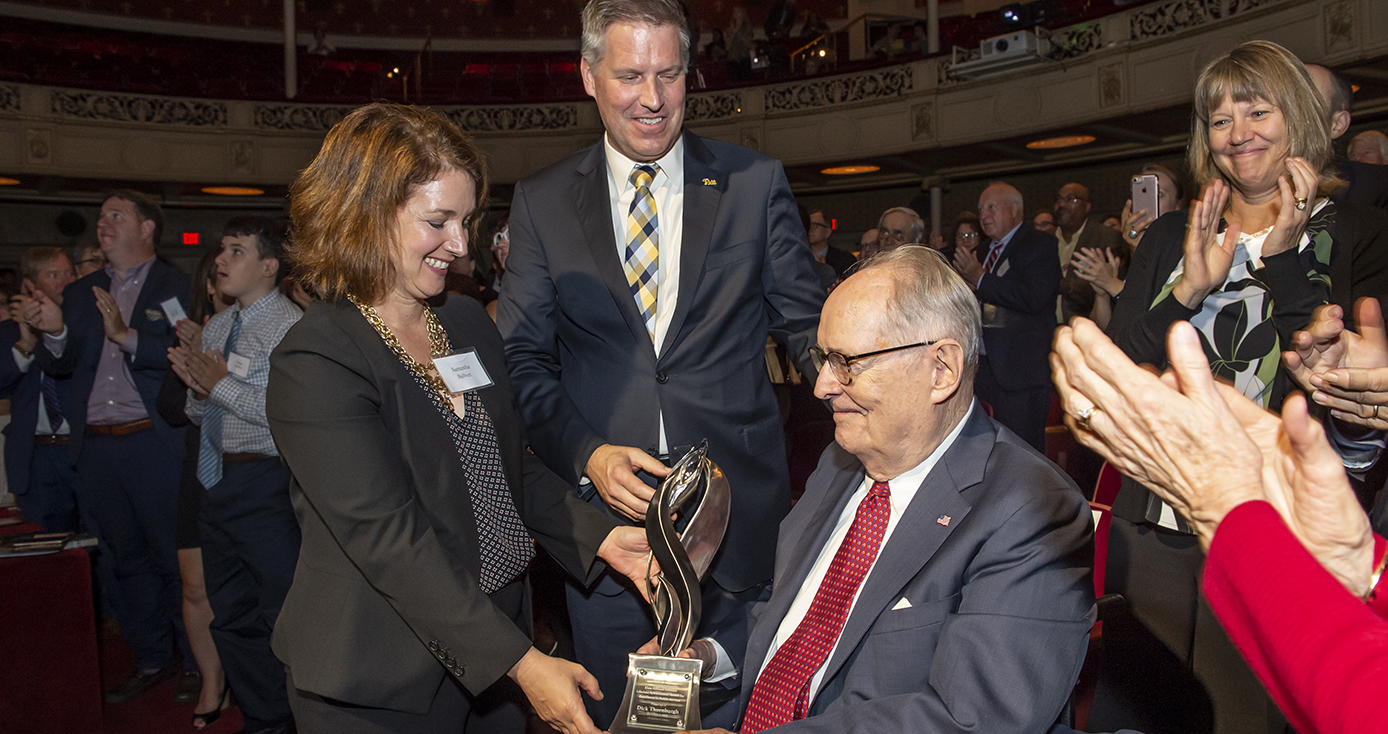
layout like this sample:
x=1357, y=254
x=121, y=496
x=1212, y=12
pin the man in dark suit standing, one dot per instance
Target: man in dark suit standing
x=1016, y=282
x=1076, y=231
x=935, y=577
x=644, y=276
x=110, y=340
x=37, y=464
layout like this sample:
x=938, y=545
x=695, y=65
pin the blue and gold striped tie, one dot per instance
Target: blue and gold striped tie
x=643, y=242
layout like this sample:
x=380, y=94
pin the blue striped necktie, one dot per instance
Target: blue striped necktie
x=51, y=404
x=210, y=444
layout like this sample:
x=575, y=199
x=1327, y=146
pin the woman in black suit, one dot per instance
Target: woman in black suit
x=416, y=497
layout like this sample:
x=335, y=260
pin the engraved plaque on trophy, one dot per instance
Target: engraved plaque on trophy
x=662, y=692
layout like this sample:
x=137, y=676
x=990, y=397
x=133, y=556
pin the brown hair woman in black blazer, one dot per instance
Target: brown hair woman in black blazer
x=418, y=504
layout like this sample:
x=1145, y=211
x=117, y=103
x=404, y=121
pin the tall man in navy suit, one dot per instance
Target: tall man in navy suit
x=936, y=575
x=1016, y=282
x=643, y=278
x=110, y=340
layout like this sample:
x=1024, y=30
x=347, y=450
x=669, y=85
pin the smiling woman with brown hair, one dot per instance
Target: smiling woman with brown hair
x=1246, y=266
x=415, y=495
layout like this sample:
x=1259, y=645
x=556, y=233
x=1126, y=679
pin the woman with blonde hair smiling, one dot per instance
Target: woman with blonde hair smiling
x=1246, y=265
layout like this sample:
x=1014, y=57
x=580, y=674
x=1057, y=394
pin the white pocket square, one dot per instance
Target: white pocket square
x=903, y=604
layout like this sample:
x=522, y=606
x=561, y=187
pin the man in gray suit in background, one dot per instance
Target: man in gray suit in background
x=936, y=575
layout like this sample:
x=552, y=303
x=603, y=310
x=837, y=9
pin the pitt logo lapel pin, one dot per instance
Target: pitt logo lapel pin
x=710, y=182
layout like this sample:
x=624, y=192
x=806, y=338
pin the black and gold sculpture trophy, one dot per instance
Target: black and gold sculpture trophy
x=662, y=692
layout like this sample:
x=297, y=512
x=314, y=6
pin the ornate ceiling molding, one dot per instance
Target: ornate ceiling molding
x=515, y=118
x=511, y=118
x=1155, y=21
x=140, y=108
x=820, y=93
x=708, y=107
x=297, y=117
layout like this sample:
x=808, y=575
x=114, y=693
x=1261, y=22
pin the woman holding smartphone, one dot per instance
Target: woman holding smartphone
x=1156, y=188
x=1246, y=266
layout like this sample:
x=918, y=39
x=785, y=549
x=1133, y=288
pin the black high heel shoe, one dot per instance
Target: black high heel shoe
x=204, y=720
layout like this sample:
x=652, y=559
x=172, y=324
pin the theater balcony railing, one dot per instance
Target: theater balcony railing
x=1140, y=59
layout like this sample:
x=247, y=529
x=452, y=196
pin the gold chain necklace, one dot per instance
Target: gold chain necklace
x=439, y=346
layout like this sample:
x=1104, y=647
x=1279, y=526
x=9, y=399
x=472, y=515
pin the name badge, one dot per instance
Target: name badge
x=239, y=365
x=463, y=371
x=174, y=310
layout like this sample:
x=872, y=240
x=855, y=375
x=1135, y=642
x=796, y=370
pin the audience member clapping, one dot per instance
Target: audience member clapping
x=966, y=234
x=1105, y=269
x=1292, y=569
x=1247, y=266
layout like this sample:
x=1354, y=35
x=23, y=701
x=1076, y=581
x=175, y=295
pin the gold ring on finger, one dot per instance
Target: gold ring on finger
x=1301, y=204
x=1085, y=415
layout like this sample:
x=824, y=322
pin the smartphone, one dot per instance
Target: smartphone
x=1145, y=194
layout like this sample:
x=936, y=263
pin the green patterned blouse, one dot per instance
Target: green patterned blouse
x=1235, y=321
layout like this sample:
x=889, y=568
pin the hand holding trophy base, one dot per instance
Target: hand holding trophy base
x=662, y=692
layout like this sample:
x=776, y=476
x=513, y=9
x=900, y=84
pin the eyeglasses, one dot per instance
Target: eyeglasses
x=966, y=236
x=839, y=362
x=821, y=224
x=1071, y=199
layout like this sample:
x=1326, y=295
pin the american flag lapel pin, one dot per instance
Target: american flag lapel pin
x=943, y=520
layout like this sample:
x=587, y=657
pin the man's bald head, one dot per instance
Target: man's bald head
x=999, y=210
x=1337, y=95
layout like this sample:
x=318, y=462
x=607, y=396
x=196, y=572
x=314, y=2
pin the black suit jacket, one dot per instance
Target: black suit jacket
x=23, y=389
x=978, y=623
x=385, y=600
x=1022, y=288
x=87, y=337
x=839, y=260
x=582, y=361
x=1368, y=184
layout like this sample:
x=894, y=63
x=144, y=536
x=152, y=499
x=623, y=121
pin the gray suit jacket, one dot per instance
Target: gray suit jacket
x=998, y=602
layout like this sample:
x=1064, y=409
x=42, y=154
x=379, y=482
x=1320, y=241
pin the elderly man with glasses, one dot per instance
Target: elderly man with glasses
x=899, y=226
x=935, y=577
x=821, y=229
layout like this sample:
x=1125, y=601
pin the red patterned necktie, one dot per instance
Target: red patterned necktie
x=992, y=259
x=782, y=691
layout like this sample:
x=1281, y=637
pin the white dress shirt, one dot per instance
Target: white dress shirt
x=667, y=188
x=903, y=489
